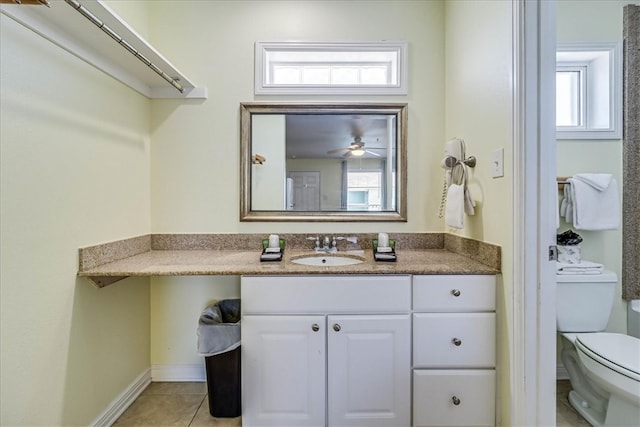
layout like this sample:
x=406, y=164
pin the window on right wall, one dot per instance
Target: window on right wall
x=588, y=91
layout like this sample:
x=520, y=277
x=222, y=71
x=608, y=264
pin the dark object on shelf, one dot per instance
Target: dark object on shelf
x=568, y=238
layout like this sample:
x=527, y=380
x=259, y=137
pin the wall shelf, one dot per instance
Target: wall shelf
x=64, y=26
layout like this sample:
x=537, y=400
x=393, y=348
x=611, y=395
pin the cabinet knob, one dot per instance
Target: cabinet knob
x=455, y=292
x=455, y=400
x=457, y=342
x=315, y=327
x=336, y=327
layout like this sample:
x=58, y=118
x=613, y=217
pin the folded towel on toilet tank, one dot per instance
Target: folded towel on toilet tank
x=583, y=267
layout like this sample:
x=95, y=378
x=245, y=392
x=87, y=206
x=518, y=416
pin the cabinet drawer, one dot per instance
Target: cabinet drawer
x=454, y=293
x=453, y=398
x=454, y=340
x=325, y=294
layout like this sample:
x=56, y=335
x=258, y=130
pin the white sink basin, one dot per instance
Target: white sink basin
x=327, y=260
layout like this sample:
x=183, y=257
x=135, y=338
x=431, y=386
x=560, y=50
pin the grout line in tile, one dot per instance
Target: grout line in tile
x=197, y=410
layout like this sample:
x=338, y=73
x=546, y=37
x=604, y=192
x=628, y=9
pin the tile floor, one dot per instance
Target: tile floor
x=186, y=404
x=566, y=416
x=165, y=404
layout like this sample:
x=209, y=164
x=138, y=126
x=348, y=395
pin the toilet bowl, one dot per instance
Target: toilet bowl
x=603, y=367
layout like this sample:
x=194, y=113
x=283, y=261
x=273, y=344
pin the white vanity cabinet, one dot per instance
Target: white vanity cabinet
x=454, y=350
x=326, y=350
x=283, y=370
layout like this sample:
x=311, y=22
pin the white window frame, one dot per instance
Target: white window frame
x=586, y=54
x=262, y=67
x=581, y=93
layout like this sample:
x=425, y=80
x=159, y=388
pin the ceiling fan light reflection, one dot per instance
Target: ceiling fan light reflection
x=357, y=152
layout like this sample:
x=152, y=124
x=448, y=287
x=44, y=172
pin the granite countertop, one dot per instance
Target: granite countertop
x=230, y=262
x=176, y=255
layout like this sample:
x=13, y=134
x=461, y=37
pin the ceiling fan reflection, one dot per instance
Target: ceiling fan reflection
x=355, y=149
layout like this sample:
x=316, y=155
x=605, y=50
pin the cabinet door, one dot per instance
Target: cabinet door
x=369, y=370
x=283, y=371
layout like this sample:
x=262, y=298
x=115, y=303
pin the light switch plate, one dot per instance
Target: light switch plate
x=497, y=163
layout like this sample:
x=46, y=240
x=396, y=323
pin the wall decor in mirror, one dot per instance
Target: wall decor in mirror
x=323, y=162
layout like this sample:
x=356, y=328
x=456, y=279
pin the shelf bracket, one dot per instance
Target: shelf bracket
x=102, y=281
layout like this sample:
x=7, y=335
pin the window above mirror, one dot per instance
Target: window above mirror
x=331, y=68
x=588, y=91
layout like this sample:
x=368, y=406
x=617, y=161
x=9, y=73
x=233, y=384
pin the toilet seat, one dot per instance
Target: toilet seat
x=618, y=352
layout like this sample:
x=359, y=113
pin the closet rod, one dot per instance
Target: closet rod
x=91, y=17
x=27, y=2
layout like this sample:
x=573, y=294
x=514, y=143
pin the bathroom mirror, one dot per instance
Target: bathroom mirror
x=323, y=162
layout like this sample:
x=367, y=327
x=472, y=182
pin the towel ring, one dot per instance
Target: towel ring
x=458, y=173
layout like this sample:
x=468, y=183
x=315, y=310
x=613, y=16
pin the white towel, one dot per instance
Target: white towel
x=593, y=202
x=469, y=203
x=599, y=181
x=583, y=267
x=454, y=209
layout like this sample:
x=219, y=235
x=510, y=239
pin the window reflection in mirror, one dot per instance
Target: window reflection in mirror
x=323, y=162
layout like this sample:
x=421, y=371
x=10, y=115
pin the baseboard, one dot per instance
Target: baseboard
x=192, y=372
x=123, y=401
x=561, y=373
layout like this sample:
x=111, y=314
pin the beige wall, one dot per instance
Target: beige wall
x=74, y=172
x=478, y=110
x=195, y=143
x=187, y=178
x=595, y=20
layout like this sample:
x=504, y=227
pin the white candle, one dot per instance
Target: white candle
x=274, y=241
x=383, y=240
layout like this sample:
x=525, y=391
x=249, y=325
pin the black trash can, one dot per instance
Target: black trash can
x=219, y=342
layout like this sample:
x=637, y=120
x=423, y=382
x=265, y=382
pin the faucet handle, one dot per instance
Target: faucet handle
x=316, y=238
x=352, y=239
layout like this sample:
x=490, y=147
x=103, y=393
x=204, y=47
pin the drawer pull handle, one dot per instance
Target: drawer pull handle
x=455, y=292
x=455, y=400
x=336, y=327
x=457, y=342
x=315, y=327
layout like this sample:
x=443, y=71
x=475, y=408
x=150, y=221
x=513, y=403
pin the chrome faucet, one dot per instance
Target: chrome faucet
x=328, y=244
x=326, y=247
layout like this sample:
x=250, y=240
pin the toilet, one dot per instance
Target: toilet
x=603, y=367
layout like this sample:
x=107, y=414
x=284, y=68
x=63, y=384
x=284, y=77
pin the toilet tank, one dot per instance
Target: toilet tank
x=584, y=301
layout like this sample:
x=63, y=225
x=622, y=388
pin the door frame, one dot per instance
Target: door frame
x=533, y=338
